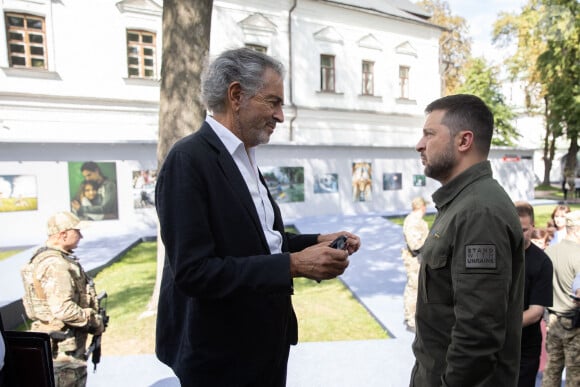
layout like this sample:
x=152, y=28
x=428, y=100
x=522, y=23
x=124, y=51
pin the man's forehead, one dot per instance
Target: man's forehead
x=433, y=123
x=435, y=116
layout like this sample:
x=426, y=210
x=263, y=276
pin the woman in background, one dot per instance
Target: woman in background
x=559, y=223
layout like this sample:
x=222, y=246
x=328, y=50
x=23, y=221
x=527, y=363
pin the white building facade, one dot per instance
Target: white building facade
x=79, y=81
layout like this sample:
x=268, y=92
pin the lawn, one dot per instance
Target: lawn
x=326, y=311
x=8, y=253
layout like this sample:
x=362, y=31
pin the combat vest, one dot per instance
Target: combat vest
x=34, y=298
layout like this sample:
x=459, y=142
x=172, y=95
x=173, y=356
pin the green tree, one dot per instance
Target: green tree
x=546, y=62
x=482, y=80
x=185, y=47
x=560, y=71
x=524, y=29
x=454, y=43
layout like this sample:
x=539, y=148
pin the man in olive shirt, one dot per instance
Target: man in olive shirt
x=471, y=279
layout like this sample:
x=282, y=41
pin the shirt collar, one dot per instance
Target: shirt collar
x=230, y=141
x=449, y=191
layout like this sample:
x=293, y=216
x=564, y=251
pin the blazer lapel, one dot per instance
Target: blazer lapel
x=233, y=177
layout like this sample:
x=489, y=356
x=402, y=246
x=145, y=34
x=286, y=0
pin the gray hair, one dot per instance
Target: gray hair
x=242, y=65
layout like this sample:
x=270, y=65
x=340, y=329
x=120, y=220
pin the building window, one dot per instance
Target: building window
x=26, y=38
x=258, y=48
x=404, y=81
x=141, y=54
x=368, y=78
x=327, y=73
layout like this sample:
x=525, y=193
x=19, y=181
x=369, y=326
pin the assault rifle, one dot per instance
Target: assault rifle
x=95, y=347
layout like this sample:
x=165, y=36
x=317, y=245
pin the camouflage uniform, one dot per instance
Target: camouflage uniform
x=415, y=231
x=563, y=340
x=60, y=297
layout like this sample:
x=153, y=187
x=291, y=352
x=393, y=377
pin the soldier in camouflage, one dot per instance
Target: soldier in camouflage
x=415, y=231
x=563, y=338
x=61, y=300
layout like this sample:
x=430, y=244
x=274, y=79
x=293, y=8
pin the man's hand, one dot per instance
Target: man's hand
x=96, y=326
x=318, y=262
x=352, y=240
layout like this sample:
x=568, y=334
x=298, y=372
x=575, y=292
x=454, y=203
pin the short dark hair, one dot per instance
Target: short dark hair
x=466, y=111
x=525, y=209
x=90, y=166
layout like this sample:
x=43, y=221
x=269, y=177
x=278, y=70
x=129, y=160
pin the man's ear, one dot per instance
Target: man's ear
x=235, y=95
x=465, y=139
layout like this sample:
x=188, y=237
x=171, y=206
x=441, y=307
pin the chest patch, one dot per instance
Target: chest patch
x=480, y=257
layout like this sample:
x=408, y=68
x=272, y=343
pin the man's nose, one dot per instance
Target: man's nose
x=420, y=145
x=279, y=114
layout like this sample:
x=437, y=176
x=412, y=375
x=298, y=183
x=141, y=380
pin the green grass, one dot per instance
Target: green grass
x=400, y=219
x=8, y=253
x=129, y=285
x=326, y=311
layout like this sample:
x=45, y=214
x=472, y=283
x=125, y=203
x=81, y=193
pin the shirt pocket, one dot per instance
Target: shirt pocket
x=435, y=274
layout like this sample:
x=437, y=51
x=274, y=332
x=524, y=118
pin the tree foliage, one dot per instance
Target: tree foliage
x=524, y=31
x=481, y=79
x=454, y=43
x=547, y=63
x=560, y=71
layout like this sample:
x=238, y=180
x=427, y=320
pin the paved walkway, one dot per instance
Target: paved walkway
x=376, y=277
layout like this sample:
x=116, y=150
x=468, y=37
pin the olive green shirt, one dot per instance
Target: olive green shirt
x=471, y=282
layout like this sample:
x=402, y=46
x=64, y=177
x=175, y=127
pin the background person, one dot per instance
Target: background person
x=563, y=339
x=415, y=231
x=106, y=188
x=559, y=223
x=88, y=198
x=60, y=297
x=471, y=279
x=541, y=237
x=225, y=314
x=537, y=296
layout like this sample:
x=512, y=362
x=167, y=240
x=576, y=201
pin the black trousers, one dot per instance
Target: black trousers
x=529, y=365
x=275, y=376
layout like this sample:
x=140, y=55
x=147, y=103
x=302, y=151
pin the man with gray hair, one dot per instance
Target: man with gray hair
x=225, y=314
x=563, y=338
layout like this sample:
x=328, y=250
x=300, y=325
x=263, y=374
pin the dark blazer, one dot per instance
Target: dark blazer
x=225, y=316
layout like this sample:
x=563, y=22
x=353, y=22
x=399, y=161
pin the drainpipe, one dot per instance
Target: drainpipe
x=290, y=69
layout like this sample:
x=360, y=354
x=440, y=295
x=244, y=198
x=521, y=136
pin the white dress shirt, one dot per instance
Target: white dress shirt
x=246, y=162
